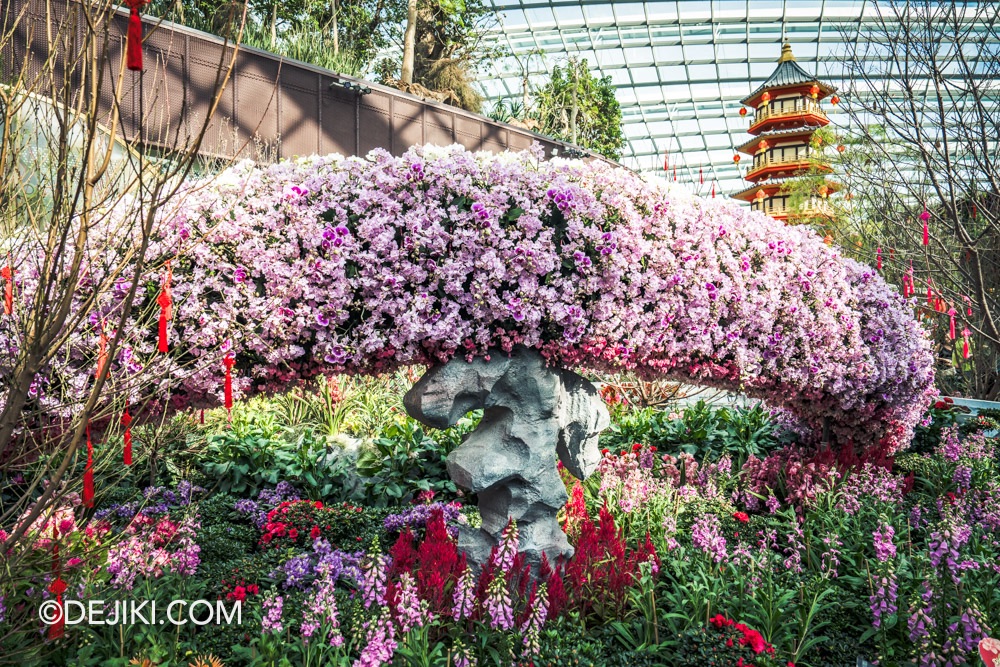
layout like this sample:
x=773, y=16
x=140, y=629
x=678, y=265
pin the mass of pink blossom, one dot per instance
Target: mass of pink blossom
x=362, y=265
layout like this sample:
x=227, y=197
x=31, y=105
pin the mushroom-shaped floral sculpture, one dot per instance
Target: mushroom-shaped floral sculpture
x=532, y=414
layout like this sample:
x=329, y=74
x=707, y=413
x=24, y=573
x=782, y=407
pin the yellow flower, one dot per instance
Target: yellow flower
x=206, y=661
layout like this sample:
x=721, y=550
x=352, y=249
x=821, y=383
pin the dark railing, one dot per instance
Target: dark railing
x=271, y=107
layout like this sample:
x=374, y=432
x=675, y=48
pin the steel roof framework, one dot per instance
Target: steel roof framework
x=679, y=67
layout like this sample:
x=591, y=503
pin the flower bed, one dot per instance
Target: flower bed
x=362, y=265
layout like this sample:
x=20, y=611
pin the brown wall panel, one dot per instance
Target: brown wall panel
x=288, y=105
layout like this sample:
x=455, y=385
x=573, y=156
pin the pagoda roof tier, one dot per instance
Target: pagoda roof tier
x=749, y=147
x=788, y=74
x=772, y=188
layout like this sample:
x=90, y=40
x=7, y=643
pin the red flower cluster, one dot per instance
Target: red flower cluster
x=749, y=637
x=603, y=569
x=292, y=523
x=741, y=517
x=239, y=589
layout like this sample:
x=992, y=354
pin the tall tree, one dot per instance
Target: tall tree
x=580, y=108
x=925, y=116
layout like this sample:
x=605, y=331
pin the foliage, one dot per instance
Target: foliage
x=578, y=107
x=870, y=386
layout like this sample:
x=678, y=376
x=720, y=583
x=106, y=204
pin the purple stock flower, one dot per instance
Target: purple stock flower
x=706, y=534
x=271, y=621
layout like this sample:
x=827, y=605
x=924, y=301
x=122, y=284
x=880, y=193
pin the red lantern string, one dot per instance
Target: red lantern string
x=228, y=361
x=88, y=473
x=165, y=300
x=701, y=176
x=951, y=323
x=133, y=38
x=965, y=344
x=878, y=257
x=58, y=625
x=925, y=216
x=7, y=273
x=127, y=424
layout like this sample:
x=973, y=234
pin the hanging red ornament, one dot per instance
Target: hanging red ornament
x=743, y=111
x=878, y=258
x=951, y=323
x=133, y=38
x=165, y=300
x=88, y=473
x=736, y=159
x=57, y=625
x=834, y=100
x=666, y=162
x=973, y=211
x=713, y=190
x=968, y=305
x=930, y=294
x=925, y=216
x=814, y=91
x=765, y=98
x=102, y=355
x=965, y=343
x=701, y=176
x=228, y=362
x=7, y=273
x=127, y=425
x=675, y=173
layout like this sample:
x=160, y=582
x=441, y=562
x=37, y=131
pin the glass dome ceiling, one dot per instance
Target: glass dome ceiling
x=680, y=67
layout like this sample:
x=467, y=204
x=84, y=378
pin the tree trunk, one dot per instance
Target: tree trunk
x=333, y=27
x=274, y=24
x=409, y=42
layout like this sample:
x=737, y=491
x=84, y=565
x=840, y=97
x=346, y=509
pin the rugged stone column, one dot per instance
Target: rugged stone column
x=532, y=416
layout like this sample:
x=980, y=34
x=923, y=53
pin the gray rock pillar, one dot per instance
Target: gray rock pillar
x=532, y=416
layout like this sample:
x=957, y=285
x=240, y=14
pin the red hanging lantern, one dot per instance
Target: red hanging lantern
x=88, y=473
x=743, y=111
x=965, y=343
x=760, y=195
x=701, y=176
x=814, y=91
x=228, y=362
x=762, y=146
x=968, y=305
x=828, y=239
x=133, y=38
x=925, y=216
x=736, y=159
x=127, y=425
x=930, y=294
x=878, y=258
x=765, y=98
x=7, y=273
x=834, y=100
x=165, y=301
x=841, y=148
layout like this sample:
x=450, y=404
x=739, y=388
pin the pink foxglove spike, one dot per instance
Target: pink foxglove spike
x=951, y=323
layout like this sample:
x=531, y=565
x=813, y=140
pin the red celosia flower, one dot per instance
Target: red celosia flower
x=741, y=517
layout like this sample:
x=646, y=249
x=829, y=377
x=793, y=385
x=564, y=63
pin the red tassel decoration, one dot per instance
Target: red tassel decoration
x=973, y=211
x=165, y=300
x=133, y=38
x=965, y=344
x=951, y=323
x=666, y=163
x=228, y=361
x=88, y=473
x=878, y=258
x=701, y=176
x=127, y=424
x=57, y=626
x=925, y=216
x=968, y=305
x=7, y=273
x=713, y=190
x=675, y=173
x=102, y=355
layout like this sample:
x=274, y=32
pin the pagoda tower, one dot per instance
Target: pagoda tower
x=787, y=114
